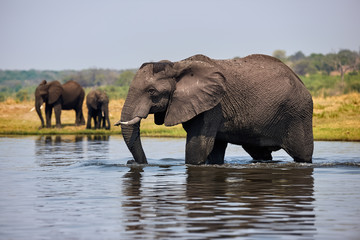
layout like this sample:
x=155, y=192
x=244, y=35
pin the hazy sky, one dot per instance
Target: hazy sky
x=120, y=34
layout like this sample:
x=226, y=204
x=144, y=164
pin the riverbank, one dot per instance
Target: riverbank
x=336, y=118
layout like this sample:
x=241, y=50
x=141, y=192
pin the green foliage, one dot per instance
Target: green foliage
x=303, y=67
x=125, y=78
x=101, y=77
x=352, y=81
x=115, y=92
x=280, y=54
x=329, y=74
x=318, y=83
x=344, y=60
x=32, y=76
x=93, y=77
x=326, y=74
x=22, y=95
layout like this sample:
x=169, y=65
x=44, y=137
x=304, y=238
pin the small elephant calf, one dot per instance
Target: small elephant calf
x=97, y=103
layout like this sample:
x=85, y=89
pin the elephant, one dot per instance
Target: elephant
x=97, y=103
x=59, y=97
x=257, y=102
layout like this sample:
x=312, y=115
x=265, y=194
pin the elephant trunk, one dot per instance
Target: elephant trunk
x=38, y=103
x=105, y=116
x=131, y=134
x=130, y=128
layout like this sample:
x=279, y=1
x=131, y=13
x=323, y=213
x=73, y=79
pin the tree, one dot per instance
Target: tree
x=304, y=67
x=22, y=95
x=299, y=55
x=344, y=61
x=125, y=78
x=280, y=54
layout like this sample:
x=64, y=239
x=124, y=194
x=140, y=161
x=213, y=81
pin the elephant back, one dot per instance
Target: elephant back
x=73, y=94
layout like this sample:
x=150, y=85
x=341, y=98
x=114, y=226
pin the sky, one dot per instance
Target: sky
x=123, y=34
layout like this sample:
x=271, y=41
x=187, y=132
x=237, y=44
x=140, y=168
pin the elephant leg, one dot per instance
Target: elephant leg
x=48, y=113
x=98, y=120
x=300, y=144
x=88, y=124
x=77, y=117
x=82, y=119
x=217, y=155
x=57, y=111
x=258, y=152
x=103, y=122
x=107, y=127
x=201, y=133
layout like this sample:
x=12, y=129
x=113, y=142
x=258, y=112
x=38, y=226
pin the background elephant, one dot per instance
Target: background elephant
x=59, y=97
x=257, y=102
x=97, y=103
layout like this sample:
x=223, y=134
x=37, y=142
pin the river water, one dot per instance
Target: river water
x=69, y=187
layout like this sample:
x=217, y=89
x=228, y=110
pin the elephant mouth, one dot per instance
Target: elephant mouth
x=131, y=122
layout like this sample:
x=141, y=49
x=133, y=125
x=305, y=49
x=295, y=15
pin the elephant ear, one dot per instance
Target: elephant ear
x=200, y=86
x=55, y=91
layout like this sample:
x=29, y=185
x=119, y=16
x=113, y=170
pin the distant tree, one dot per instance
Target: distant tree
x=317, y=61
x=344, y=61
x=280, y=54
x=125, y=78
x=299, y=55
x=303, y=67
x=22, y=95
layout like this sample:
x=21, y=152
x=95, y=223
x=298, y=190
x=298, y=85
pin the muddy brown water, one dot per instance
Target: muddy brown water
x=70, y=187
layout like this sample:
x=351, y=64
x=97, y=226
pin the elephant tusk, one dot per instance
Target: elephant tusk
x=131, y=122
x=34, y=108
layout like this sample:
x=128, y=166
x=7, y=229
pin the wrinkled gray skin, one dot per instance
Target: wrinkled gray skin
x=97, y=103
x=69, y=96
x=257, y=102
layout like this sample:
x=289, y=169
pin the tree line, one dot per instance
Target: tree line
x=332, y=73
x=21, y=85
x=327, y=74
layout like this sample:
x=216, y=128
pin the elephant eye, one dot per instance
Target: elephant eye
x=152, y=91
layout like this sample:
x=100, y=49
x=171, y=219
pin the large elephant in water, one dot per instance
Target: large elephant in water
x=69, y=96
x=257, y=102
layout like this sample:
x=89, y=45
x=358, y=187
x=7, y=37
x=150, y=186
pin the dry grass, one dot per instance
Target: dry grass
x=335, y=118
x=16, y=118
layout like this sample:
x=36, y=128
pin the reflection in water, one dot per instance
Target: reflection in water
x=67, y=150
x=220, y=203
x=68, y=187
x=270, y=201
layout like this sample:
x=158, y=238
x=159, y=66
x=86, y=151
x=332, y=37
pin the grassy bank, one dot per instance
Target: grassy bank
x=335, y=118
x=18, y=119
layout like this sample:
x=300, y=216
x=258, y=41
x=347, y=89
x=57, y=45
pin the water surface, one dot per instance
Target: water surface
x=69, y=187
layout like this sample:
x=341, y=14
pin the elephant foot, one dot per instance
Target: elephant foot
x=131, y=162
x=301, y=160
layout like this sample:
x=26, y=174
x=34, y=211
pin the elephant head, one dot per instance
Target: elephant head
x=173, y=92
x=48, y=93
x=98, y=100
